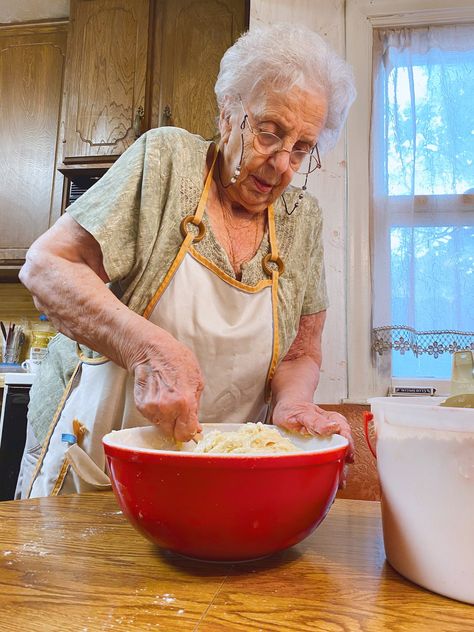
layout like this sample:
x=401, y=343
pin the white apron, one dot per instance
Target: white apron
x=231, y=327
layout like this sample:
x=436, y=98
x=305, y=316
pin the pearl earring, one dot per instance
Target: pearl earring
x=236, y=173
x=233, y=180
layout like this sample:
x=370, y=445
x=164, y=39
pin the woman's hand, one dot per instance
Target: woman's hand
x=309, y=419
x=168, y=385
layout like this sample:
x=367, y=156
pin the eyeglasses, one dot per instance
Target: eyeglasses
x=303, y=161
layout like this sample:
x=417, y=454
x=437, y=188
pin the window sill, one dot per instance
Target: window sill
x=443, y=387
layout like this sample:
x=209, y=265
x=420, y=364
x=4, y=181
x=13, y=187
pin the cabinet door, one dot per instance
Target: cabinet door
x=31, y=75
x=106, y=73
x=195, y=35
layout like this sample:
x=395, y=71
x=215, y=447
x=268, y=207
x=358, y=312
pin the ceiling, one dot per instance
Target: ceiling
x=27, y=10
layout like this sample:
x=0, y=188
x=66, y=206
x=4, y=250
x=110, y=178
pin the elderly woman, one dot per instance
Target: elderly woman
x=191, y=275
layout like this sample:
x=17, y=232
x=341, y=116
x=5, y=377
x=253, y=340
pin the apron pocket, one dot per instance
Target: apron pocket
x=85, y=468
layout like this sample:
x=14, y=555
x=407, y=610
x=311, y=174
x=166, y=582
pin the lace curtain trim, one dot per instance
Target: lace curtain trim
x=434, y=343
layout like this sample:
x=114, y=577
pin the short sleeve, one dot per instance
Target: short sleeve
x=110, y=210
x=315, y=298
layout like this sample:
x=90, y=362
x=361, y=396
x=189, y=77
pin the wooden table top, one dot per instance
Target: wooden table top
x=74, y=563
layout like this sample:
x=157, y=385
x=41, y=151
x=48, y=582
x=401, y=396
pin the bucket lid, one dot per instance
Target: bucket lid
x=423, y=412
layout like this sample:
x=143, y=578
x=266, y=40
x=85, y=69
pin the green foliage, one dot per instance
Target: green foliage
x=430, y=123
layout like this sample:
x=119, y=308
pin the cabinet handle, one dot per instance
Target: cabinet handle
x=137, y=122
x=166, y=117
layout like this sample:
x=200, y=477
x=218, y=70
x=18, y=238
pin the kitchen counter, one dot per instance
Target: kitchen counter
x=18, y=377
x=74, y=563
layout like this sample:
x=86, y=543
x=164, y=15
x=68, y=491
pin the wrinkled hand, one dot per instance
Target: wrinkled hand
x=168, y=386
x=309, y=419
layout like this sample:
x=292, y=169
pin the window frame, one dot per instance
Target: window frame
x=369, y=376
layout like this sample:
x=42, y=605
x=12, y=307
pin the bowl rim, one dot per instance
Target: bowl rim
x=342, y=446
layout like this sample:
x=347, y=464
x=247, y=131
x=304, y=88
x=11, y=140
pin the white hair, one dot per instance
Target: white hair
x=284, y=56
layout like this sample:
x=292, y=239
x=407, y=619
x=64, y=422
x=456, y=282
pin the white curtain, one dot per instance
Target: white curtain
x=422, y=168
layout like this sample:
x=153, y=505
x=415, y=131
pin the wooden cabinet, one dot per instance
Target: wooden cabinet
x=106, y=77
x=194, y=34
x=137, y=64
x=31, y=74
x=130, y=65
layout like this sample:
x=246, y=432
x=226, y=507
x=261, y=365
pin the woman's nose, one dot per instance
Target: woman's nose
x=280, y=160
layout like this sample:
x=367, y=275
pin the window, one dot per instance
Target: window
x=423, y=196
x=369, y=274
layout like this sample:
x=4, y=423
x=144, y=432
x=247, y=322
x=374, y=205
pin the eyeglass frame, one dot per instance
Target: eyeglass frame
x=309, y=153
x=237, y=170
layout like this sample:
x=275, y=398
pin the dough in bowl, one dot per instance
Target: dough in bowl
x=249, y=439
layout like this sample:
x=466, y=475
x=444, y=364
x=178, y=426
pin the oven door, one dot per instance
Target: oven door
x=12, y=434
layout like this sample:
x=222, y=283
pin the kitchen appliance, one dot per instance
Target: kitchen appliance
x=16, y=396
x=425, y=462
x=223, y=507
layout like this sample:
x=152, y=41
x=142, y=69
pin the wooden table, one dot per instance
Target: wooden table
x=73, y=563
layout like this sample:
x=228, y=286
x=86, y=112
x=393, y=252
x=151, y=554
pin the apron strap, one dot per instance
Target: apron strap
x=203, y=201
x=53, y=425
x=86, y=360
x=273, y=257
x=276, y=337
x=273, y=267
x=196, y=219
x=189, y=238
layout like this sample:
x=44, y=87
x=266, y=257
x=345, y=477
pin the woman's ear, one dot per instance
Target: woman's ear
x=225, y=125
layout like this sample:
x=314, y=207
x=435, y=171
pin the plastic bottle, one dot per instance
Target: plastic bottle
x=462, y=375
x=41, y=334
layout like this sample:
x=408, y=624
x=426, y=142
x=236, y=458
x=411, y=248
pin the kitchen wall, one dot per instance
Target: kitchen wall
x=328, y=185
x=16, y=303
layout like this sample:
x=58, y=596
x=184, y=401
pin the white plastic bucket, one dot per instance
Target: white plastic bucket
x=425, y=463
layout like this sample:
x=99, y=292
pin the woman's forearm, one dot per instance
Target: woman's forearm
x=297, y=376
x=295, y=382
x=78, y=303
x=295, y=379
x=64, y=273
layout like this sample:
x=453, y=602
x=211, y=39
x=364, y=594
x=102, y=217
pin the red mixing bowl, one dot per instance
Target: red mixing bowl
x=223, y=507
